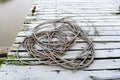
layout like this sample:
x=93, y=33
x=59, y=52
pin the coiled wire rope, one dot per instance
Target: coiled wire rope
x=53, y=39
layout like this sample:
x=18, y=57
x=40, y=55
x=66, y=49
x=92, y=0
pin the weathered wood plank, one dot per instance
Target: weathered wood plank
x=90, y=27
x=90, y=33
x=73, y=14
x=95, y=38
x=52, y=73
x=83, y=20
x=85, y=10
x=80, y=46
x=83, y=7
x=84, y=14
x=102, y=64
x=99, y=54
x=73, y=6
x=80, y=17
x=84, y=23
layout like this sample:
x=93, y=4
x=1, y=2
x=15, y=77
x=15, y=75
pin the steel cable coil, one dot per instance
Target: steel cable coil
x=51, y=40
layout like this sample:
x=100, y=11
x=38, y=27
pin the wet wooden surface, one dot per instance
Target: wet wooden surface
x=100, y=13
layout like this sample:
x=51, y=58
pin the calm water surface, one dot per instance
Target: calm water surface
x=12, y=15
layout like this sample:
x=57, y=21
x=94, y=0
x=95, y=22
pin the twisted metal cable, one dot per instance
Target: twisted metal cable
x=48, y=46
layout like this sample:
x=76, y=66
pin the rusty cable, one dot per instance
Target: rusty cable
x=52, y=44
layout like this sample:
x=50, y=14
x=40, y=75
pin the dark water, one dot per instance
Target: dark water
x=12, y=15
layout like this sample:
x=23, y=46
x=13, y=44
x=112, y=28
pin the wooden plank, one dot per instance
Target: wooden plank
x=90, y=33
x=99, y=54
x=106, y=3
x=80, y=20
x=80, y=46
x=86, y=28
x=102, y=64
x=76, y=6
x=83, y=24
x=73, y=6
x=77, y=1
x=52, y=73
x=83, y=19
x=95, y=38
x=76, y=16
x=105, y=64
x=31, y=26
x=83, y=7
x=110, y=4
x=83, y=16
x=88, y=14
x=93, y=8
x=73, y=14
